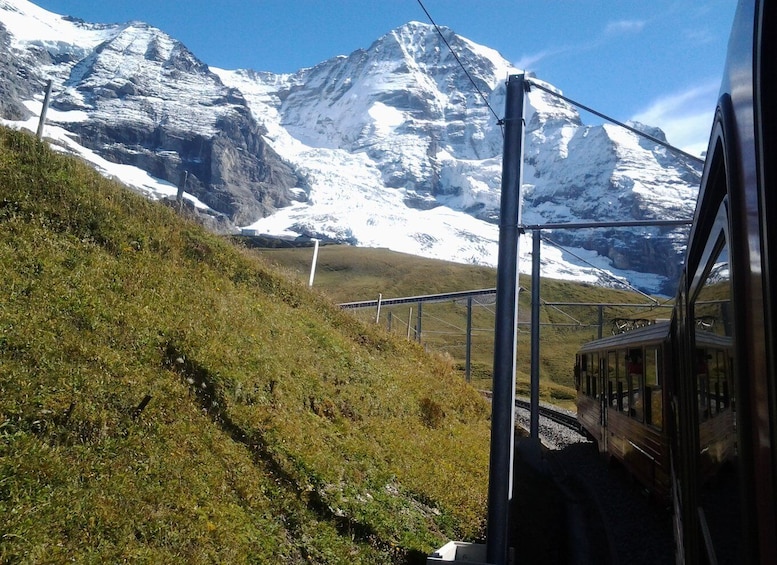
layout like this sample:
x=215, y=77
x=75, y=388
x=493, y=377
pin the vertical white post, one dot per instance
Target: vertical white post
x=44, y=110
x=377, y=316
x=313, y=265
x=181, y=190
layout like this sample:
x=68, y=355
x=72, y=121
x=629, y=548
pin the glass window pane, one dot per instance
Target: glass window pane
x=634, y=370
x=653, y=391
x=715, y=386
x=623, y=383
x=612, y=381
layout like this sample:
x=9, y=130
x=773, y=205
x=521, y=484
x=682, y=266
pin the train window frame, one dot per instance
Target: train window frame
x=612, y=379
x=717, y=241
x=635, y=371
x=711, y=251
x=623, y=382
x=588, y=366
x=654, y=405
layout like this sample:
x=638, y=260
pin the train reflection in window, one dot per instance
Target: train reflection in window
x=712, y=334
x=714, y=378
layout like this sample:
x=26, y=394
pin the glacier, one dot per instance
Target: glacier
x=390, y=146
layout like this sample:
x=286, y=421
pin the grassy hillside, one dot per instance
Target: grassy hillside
x=347, y=274
x=166, y=397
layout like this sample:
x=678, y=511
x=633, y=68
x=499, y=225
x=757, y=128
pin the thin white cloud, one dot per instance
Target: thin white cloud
x=624, y=27
x=699, y=36
x=612, y=29
x=529, y=61
x=685, y=117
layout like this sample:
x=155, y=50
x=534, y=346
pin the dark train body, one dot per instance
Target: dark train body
x=690, y=405
x=624, y=400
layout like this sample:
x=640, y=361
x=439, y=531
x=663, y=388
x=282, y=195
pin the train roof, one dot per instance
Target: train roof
x=654, y=333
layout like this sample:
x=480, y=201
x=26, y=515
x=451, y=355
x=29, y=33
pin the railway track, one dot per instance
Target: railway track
x=558, y=415
x=558, y=427
x=606, y=516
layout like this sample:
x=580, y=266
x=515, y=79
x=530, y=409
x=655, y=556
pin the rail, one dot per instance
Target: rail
x=442, y=297
x=566, y=420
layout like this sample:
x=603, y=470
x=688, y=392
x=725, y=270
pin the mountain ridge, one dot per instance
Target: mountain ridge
x=389, y=146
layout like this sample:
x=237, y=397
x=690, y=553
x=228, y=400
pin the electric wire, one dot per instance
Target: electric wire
x=607, y=274
x=463, y=68
x=547, y=305
x=634, y=313
x=616, y=122
x=444, y=322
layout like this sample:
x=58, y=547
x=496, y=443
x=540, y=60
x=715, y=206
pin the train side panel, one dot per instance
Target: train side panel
x=642, y=449
x=589, y=414
x=726, y=292
x=622, y=401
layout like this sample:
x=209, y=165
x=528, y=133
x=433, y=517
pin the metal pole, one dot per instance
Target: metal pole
x=601, y=321
x=534, y=420
x=43, y=111
x=181, y=190
x=505, y=330
x=377, y=314
x=418, y=323
x=468, y=354
x=313, y=267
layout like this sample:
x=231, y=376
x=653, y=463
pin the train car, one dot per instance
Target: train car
x=621, y=400
x=725, y=295
x=713, y=431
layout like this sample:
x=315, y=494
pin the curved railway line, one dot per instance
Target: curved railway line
x=564, y=417
x=572, y=505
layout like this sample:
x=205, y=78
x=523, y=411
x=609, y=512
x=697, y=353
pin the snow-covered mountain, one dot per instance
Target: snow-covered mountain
x=390, y=146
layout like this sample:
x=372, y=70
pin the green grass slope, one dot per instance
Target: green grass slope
x=348, y=274
x=167, y=397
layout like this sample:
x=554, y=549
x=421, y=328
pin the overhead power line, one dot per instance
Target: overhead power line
x=616, y=122
x=463, y=68
x=605, y=273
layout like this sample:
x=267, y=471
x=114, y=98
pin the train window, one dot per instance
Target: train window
x=593, y=370
x=703, y=383
x=711, y=328
x=624, y=383
x=719, y=377
x=712, y=331
x=580, y=374
x=653, y=393
x=635, y=381
x=612, y=381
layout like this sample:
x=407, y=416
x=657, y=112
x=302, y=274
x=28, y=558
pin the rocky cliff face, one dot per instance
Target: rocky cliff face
x=14, y=83
x=136, y=96
x=405, y=109
x=391, y=146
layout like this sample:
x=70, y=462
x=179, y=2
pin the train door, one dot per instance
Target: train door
x=611, y=397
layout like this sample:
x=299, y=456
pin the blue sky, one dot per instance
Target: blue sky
x=658, y=61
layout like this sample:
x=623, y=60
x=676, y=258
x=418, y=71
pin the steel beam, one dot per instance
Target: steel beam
x=505, y=330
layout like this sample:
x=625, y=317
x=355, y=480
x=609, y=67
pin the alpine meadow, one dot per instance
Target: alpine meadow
x=167, y=397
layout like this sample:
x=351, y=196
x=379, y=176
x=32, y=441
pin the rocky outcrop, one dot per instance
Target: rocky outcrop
x=142, y=98
x=15, y=80
x=390, y=146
